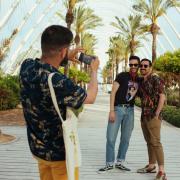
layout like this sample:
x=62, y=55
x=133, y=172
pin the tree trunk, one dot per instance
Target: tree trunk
x=77, y=39
x=66, y=67
x=69, y=18
x=117, y=67
x=154, y=31
x=154, y=35
x=112, y=72
x=126, y=60
x=132, y=47
x=69, y=21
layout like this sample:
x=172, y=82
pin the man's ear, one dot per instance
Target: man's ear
x=63, y=52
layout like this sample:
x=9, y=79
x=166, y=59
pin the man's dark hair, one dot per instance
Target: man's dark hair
x=134, y=57
x=145, y=59
x=55, y=37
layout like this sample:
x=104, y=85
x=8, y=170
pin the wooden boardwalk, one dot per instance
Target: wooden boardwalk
x=16, y=162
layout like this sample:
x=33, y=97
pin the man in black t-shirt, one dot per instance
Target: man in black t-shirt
x=121, y=114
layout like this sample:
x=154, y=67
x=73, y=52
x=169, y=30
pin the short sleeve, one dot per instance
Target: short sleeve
x=119, y=78
x=67, y=93
x=159, y=86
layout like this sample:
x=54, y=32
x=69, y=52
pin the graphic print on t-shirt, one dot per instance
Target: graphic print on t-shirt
x=132, y=90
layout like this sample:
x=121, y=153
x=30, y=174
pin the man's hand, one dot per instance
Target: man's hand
x=112, y=116
x=72, y=53
x=162, y=98
x=93, y=84
x=94, y=65
x=157, y=113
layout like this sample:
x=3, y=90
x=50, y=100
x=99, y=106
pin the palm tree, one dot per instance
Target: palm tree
x=4, y=49
x=152, y=10
x=88, y=42
x=85, y=19
x=118, y=52
x=111, y=63
x=70, y=4
x=104, y=74
x=131, y=29
x=107, y=73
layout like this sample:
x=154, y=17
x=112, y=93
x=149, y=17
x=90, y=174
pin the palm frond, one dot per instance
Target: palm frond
x=85, y=19
x=62, y=17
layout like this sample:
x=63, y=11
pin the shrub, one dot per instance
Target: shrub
x=171, y=114
x=76, y=75
x=168, y=67
x=168, y=62
x=9, y=92
x=172, y=97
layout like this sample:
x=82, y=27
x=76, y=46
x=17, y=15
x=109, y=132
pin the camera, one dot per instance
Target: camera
x=86, y=58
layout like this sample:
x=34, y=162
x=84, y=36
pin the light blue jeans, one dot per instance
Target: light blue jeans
x=125, y=119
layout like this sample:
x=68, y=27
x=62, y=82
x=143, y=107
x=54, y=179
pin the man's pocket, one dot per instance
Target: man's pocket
x=154, y=122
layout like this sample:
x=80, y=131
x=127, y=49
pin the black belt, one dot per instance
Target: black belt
x=125, y=105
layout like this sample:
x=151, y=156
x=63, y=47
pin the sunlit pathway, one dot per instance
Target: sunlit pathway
x=16, y=162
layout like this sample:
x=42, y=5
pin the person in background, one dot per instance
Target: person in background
x=44, y=128
x=152, y=94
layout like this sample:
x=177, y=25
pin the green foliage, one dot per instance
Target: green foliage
x=73, y=73
x=61, y=69
x=173, y=97
x=76, y=75
x=85, y=19
x=78, y=111
x=138, y=102
x=131, y=29
x=172, y=115
x=9, y=92
x=83, y=77
x=88, y=42
x=169, y=62
x=168, y=67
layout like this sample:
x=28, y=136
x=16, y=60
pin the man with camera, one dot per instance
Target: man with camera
x=121, y=114
x=44, y=128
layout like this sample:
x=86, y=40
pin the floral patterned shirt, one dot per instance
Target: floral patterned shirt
x=149, y=94
x=44, y=128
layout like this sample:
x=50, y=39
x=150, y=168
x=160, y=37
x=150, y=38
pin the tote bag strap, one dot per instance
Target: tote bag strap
x=53, y=96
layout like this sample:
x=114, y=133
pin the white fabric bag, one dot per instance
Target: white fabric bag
x=70, y=135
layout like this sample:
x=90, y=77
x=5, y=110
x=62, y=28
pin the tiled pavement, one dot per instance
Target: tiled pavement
x=16, y=162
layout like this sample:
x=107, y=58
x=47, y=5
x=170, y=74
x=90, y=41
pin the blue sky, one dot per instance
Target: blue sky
x=29, y=34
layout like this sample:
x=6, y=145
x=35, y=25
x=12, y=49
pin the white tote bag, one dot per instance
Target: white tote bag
x=70, y=135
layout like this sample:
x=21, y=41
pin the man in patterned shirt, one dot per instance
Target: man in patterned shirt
x=152, y=100
x=44, y=128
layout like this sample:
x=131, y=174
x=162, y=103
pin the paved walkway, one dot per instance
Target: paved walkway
x=16, y=162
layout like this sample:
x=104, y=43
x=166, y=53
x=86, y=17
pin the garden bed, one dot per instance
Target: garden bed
x=12, y=117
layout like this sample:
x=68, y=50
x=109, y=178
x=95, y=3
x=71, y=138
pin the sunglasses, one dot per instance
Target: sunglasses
x=135, y=65
x=144, y=65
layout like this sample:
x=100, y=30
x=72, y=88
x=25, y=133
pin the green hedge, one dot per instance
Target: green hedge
x=9, y=92
x=172, y=115
x=76, y=75
x=168, y=62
